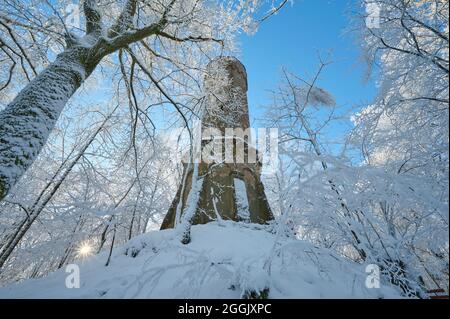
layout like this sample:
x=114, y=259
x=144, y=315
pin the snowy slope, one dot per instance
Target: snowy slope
x=222, y=261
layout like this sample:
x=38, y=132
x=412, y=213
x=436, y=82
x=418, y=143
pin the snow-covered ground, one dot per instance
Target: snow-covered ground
x=222, y=261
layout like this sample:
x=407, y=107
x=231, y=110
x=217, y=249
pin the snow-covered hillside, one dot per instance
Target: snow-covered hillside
x=223, y=261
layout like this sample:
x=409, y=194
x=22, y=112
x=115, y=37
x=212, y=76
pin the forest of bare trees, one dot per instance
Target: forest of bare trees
x=88, y=111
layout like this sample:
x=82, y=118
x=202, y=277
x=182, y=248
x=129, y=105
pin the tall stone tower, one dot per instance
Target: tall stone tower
x=231, y=185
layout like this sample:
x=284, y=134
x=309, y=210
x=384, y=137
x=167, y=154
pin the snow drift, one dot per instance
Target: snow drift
x=223, y=260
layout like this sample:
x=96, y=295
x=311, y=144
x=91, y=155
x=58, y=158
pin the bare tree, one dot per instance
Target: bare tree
x=154, y=29
x=45, y=196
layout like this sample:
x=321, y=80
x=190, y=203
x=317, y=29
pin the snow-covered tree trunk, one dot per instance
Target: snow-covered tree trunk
x=27, y=121
x=184, y=227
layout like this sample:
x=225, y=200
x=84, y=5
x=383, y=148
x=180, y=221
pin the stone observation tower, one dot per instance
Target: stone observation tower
x=231, y=185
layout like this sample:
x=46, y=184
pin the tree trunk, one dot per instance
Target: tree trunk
x=27, y=121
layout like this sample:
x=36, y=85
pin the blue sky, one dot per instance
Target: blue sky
x=292, y=39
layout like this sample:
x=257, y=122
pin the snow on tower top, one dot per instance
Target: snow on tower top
x=231, y=68
x=225, y=86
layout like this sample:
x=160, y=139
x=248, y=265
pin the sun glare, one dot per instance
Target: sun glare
x=84, y=249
